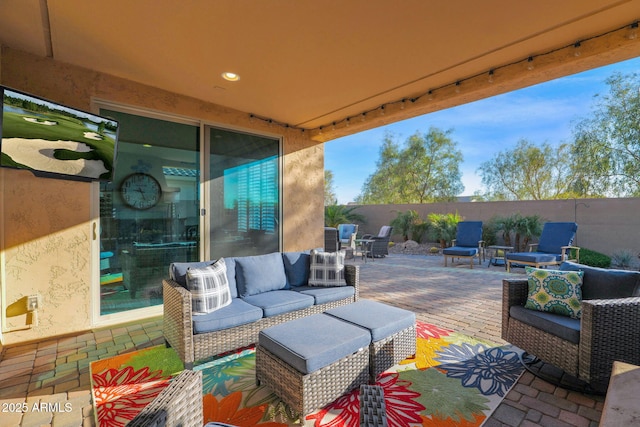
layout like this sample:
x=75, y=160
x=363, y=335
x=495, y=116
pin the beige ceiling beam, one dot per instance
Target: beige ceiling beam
x=615, y=46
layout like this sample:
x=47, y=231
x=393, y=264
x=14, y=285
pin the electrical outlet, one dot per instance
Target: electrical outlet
x=32, y=302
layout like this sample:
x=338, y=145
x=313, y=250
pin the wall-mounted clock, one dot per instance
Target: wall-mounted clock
x=140, y=191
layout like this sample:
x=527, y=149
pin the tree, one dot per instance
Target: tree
x=330, y=197
x=529, y=172
x=606, y=152
x=426, y=169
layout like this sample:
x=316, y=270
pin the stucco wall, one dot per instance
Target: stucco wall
x=604, y=225
x=47, y=224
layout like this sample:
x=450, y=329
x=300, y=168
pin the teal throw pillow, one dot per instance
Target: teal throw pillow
x=555, y=291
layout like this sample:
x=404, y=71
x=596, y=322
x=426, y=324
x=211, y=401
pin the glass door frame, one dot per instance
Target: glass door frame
x=98, y=320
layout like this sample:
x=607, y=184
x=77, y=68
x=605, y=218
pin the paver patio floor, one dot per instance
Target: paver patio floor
x=456, y=297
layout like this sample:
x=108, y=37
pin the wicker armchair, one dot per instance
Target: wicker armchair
x=608, y=330
x=379, y=247
x=178, y=405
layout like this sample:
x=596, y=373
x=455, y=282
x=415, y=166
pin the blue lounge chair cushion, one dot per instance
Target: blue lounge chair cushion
x=325, y=295
x=380, y=319
x=561, y=326
x=260, y=273
x=305, y=344
x=537, y=257
x=235, y=314
x=460, y=251
x=602, y=283
x=296, y=268
x=469, y=233
x=273, y=303
x=555, y=235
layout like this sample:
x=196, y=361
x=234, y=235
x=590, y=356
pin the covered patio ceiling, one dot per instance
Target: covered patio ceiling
x=330, y=67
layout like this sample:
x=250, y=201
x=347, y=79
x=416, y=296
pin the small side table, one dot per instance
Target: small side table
x=494, y=254
x=365, y=247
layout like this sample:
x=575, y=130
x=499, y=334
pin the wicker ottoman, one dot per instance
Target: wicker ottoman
x=393, y=331
x=311, y=361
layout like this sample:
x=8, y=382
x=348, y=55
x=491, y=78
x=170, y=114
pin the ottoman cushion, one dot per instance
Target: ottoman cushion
x=380, y=319
x=305, y=344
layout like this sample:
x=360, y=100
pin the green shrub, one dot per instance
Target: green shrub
x=594, y=259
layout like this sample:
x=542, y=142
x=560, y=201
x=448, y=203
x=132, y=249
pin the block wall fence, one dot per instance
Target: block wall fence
x=604, y=225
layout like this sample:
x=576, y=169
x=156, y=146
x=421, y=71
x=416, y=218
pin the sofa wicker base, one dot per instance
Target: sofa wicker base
x=307, y=392
x=387, y=352
x=214, y=343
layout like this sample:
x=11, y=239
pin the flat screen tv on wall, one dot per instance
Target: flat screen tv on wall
x=55, y=141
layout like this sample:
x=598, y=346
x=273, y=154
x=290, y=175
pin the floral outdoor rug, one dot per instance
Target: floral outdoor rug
x=453, y=380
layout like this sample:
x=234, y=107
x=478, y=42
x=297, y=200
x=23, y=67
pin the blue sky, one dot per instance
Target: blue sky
x=541, y=113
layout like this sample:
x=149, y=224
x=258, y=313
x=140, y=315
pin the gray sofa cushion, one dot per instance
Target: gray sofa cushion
x=561, y=326
x=325, y=295
x=380, y=319
x=236, y=314
x=305, y=344
x=602, y=283
x=278, y=302
x=178, y=272
x=261, y=273
x=296, y=268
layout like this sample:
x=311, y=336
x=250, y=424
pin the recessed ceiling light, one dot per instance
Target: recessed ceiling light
x=232, y=77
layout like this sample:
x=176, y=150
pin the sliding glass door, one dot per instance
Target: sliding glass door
x=150, y=213
x=244, y=193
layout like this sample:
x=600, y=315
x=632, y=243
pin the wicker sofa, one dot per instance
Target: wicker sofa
x=266, y=290
x=608, y=330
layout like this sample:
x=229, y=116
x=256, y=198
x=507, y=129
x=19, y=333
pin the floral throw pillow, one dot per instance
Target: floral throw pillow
x=555, y=291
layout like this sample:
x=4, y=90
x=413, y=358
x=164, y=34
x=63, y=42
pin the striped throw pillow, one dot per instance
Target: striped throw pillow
x=327, y=269
x=209, y=287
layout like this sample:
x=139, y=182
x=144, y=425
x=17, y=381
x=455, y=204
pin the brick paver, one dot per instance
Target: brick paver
x=468, y=301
